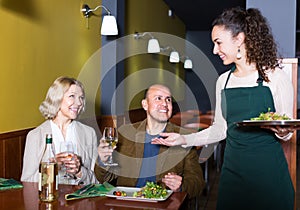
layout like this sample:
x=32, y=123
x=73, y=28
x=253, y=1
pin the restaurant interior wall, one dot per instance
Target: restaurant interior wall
x=205, y=95
x=40, y=40
x=152, y=16
x=284, y=30
x=283, y=26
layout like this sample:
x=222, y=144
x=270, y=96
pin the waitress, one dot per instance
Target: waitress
x=255, y=173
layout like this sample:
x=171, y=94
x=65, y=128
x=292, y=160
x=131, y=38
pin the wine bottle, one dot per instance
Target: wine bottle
x=48, y=173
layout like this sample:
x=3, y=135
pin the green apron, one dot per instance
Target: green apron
x=255, y=172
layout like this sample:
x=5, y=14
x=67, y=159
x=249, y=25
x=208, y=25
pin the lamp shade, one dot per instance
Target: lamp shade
x=109, y=25
x=188, y=64
x=153, y=46
x=174, y=57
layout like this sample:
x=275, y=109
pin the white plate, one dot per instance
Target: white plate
x=129, y=194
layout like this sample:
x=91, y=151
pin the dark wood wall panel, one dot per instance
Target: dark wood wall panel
x=13, y=164
x=12, y=146
x=2, y=159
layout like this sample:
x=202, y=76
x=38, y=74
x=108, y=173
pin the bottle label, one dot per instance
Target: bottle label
x=56, y=181
x=48, y=182
x=40, y=181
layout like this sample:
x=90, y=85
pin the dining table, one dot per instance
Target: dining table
x=27, y=198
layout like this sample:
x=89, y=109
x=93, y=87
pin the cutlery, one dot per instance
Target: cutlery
x=86, y=188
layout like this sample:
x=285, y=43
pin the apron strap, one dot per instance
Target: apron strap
x=259, y=80
x=231, y=70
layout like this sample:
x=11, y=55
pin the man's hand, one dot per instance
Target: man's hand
x=173, y=181
x=104, y=151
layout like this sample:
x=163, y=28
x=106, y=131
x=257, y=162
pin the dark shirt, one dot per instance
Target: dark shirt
x=148, y=169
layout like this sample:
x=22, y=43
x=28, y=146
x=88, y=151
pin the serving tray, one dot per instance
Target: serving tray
x=269, y=123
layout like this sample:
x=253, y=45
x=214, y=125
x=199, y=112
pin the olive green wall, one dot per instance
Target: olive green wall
x=152, y=16
x=40, y=40
x=43, y=39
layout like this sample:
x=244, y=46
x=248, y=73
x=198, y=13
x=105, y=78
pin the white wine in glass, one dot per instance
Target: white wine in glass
x=68, y=148
x=110, y=136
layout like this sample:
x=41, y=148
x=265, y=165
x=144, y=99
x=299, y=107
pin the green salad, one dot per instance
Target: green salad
x=271, y=116
x=151, y=190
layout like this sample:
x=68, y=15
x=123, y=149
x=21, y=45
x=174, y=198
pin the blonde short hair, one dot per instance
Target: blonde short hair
x=51, y=105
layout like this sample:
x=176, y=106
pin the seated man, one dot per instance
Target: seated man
x=140, y=161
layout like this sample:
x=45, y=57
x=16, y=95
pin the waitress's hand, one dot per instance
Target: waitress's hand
x=169, y=139
x=281, y=130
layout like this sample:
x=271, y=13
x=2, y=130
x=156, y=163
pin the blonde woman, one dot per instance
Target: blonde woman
x=64, y=102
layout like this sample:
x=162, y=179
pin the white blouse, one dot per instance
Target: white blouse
x=58, y=136
x=282, y=91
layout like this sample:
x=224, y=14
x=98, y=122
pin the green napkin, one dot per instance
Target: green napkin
x=90, y=190
x=6, y=184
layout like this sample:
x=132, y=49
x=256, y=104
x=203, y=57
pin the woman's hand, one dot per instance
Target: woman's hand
x=104, y=151
x=74, y=165
x=71, y=161
x=172, y=181
x=169, y=139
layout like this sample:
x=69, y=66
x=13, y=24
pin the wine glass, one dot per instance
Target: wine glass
x=66, y=147
x=110, y=136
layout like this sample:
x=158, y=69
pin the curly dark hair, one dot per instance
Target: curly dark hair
x=259, y=42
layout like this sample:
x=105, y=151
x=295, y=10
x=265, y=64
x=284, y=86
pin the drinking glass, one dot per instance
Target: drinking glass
x=110, y=135
x=66, y=147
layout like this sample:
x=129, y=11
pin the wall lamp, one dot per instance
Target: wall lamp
x=109, y=23
x=188, y=64
x=153, y=44
x=153, y=47
x=174, y=55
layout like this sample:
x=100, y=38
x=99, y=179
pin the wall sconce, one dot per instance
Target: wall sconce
x=174, y=55
x=153, y=44
x=109, y=23
x=188, y=64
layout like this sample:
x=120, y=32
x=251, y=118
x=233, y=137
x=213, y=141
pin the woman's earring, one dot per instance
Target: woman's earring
x=239, y=55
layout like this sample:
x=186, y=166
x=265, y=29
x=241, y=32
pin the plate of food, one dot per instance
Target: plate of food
x=270, y=119
x=151, y=192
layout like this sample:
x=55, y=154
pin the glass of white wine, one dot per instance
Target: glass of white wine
x=110, y=136
x=67, y=147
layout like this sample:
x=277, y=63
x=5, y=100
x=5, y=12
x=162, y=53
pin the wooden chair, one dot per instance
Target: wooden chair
x=212, y=112
x=135, y=115
x=196, y=126
x=195, y=112
x=181, y=118
x=204, y=118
